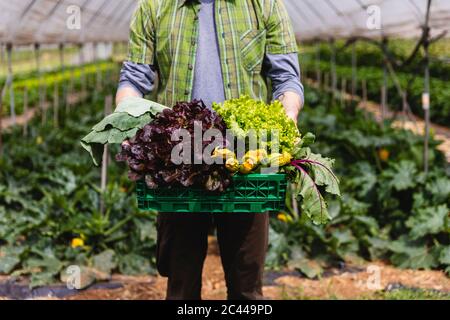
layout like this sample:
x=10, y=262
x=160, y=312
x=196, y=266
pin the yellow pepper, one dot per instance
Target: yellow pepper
x=232, y=165
x=223, y=153
x=280, y=159
x=256, y=155
x=247, y=166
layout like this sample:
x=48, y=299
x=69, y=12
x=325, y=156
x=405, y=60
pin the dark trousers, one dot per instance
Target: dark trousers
x=182, y=247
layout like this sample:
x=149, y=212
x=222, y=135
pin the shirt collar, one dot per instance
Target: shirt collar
x=183, y=2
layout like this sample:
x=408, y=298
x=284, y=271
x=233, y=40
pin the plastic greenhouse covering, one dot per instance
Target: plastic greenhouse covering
x=45, y=21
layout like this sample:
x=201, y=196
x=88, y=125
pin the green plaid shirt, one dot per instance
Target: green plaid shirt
x=165, y=32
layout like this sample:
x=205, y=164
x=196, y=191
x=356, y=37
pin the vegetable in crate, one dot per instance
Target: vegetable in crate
x=149, y=153
x=311, y=174
x=130, y=116
x=245, y=115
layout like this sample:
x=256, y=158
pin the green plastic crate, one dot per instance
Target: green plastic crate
x=249, y=193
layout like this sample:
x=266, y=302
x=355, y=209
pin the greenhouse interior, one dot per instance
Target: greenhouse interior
x=356, y=208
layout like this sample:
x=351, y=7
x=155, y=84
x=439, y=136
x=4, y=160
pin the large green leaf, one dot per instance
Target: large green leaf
x=440, y=189
x=363, y=179
x=312, y=202
x=105, y=261
x=310, y=268
x=321, y=169
x=122, y=121
x=10, y=258
x=412, y=254
x=130, y=116
x=136, y=107
x=444, y=257
x=134, y=264
x=278, y=249
x=401, y=175
x=429, y=220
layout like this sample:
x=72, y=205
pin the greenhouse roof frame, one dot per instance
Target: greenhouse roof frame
x=324, y=19
x=45, y=21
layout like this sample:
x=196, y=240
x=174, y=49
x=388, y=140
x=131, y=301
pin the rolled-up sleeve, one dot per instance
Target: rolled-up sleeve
x=140, y=77
x=284, y=72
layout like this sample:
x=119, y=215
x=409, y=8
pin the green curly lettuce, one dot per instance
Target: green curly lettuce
x=244, y=114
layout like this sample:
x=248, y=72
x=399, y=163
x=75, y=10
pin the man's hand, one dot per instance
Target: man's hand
x=292, y=103
x=126, y=92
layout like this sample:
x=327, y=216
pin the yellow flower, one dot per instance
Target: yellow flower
x=77, y=242
x=286, y=218
x=383, y=154
x=39, y=140
x=282, y=217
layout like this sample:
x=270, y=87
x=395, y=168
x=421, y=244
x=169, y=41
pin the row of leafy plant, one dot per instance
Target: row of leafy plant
x=50, y=200
x=72, y=79
x=389, y=210
x=412, y=83
x=370, y=55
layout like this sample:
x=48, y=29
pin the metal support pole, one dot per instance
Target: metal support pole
x=426, y=107
x=83, y=76
x=333, y=67
x=56, y=105
x=384, y=95
x=364, y=92
x=42, y=93
x=318, y=71
x=97, y=73
x=25, y=110
x=426, y=95
x=354, y=71
x=343, y=91
x=105, y=159
x=2, y=96
x=62, y=65
x=12, y=104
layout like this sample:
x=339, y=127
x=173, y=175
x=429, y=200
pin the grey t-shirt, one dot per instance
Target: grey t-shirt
x=208, y=80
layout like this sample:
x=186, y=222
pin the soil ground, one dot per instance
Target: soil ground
x=353, y=282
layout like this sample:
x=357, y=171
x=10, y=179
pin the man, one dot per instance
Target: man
x=212, y=50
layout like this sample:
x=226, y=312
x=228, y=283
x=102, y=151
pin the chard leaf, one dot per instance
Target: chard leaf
x=322, y=173
x=312, y=204
x=122, y=121
x=136, y=107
